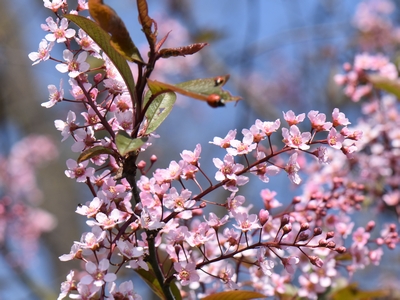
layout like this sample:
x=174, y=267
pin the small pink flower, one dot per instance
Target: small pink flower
x=246, y=222
x=292, y=119
x=73, y=66
x=225, y=142
x=318, y=121
x=292, y=168
x=98, y=274
x=268, y=127
x=186, y=273
x=43, y=53
x=59, y=33
x=339, y=118
x=78, y=171
x=335, y=139
x=295, y=139
x=242, y=148
x=190, y=157
x=56, y=95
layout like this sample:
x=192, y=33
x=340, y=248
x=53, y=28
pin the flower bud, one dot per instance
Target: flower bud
x=322, y=243
x=331, y=245
x=330, y=235
x=317, y=231
x=341, y=250
x=153, y=159
x=285, y=220
x=263, y=215
x=316, y=261
x=304, y=226
x=370, y=226
x=287, y=228
x=303, y=236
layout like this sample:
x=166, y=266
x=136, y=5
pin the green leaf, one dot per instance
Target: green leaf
x=352, y=292
x=160, y=106
x=95, y=151
x=206, y=89
x=153, y=283
x=126, y=144
x=235, y=295
x=103, y=39
x=386, y=84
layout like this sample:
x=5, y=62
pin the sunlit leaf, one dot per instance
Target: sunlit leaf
x=109, y=20
x=102, y=38
x=93, y=152
x=352, y=292
x=126, y=144
x=207, y=89
x=386, y=84
x=235, y=295
x=160, y=106
x=151, y=280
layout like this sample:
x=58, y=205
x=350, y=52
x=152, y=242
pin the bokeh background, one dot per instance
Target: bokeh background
x=280, y=54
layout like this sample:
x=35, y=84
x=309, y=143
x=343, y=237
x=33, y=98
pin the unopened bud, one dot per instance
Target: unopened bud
x=330, y=235
x=322, y=243
x=98, y=77
x=153, y=159
x=317, y=231
x=287, y=228
x=303, y=236
x=296, y=200
x=331, y=245
x=370, y=226
x=304, y=226
x=141, y=165
x=285, y=220
x=341, y=250
x=263, y=215
x=316, y=261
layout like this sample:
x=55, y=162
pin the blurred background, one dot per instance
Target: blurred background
x=280, y=54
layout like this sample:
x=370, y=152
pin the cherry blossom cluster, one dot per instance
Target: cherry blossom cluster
x=21, y=220
x=377, y=31
x=356, y=80
x=167, y=224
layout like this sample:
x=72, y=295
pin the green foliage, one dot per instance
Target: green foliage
x=126, y=144
x=95, y=151
x=162, y=102
x=103, y=39
x=151, y=280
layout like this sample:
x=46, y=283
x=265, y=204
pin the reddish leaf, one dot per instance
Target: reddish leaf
x=182, y=51
x=108, y=20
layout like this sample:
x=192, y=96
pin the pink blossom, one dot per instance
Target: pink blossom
x=186, y=273
x=242, y=148
x=87, y=42
x=59, y=33
x=43, y=53
x=290, y=263
x=92, y=240
x=73, y=66
x=292, y=168
x=86, y=291
x=78, y=171
x=225, y=142
x=125, y=290
x=268, y=127
x=192, y=157
x=295, y=139
x=66, y=127
x=318, y=121
x=54, y=5
x=98, y=274
x=67, y=285
x=339, y=118
x=56, y=95
x=292, y=119
x=266, y=265
x=360, y=237
x=246, y=222
x=178, y=202
x=335, y=139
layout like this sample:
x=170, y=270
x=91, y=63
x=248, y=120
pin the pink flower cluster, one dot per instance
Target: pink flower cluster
x=162, y=224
